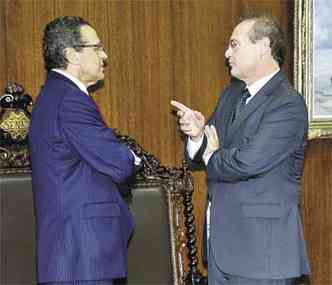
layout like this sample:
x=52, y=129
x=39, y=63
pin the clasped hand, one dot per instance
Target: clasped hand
x=192, y=123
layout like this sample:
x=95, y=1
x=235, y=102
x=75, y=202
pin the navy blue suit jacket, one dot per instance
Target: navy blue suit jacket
x=254, y=182
x=83, y=224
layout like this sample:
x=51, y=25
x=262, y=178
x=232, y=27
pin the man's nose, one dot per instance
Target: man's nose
x=104, y=55
x=227, y=52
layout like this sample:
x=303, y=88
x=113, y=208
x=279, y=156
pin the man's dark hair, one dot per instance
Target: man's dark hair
x=59, y=34
x=265, y=26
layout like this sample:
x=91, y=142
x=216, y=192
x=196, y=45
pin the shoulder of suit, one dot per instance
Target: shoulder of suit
x=69, y=94
x=285, y=94
x=287, y=90
x=59, y=81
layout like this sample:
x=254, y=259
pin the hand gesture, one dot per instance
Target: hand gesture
x=191, y=122
x=212, y=139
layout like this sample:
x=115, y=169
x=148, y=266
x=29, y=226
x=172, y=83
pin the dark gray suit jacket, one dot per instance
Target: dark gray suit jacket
x=254, y=182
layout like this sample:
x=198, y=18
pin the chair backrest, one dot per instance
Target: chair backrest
x=150, y=255
x=17, y=229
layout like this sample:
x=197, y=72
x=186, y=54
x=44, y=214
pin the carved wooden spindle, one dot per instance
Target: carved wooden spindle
x=193, y=276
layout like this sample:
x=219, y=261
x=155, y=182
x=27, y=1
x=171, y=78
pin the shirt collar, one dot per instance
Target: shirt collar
x=79, y=84
x=258, y=85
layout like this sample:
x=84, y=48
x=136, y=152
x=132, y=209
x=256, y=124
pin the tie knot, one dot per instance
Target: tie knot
x=245, y=95
x=241, y=103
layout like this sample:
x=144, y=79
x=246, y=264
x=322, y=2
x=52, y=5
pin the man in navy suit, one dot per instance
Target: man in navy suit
x=83, y=224
x=253, y=150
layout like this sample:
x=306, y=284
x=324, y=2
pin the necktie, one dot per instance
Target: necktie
x=242, y=102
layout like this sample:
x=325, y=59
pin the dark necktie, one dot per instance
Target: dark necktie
x=242, y=102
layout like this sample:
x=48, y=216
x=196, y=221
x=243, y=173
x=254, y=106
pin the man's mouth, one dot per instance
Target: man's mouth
x=104, y=64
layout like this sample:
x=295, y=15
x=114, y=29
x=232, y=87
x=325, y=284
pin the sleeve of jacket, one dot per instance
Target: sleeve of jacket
x=96, y=144
x=282, y=129
x=197, y=162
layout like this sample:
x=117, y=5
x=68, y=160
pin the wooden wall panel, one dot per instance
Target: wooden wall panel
x=140, y=66
x=3, y=62
x=317, y=209
x=25, y=21
x=20, y=43
x=158, y=50
x=2, y=82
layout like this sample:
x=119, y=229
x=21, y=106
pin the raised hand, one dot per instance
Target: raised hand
x=191, y=122
x=212, y=139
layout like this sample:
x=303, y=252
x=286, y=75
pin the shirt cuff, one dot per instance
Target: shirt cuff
x=137, y=159
x=193, y=147
x=207, y=156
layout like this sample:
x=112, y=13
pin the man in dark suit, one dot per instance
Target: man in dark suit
x=253, y=149
x=83, y=224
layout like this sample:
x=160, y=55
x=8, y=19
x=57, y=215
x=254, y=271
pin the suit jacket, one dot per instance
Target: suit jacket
x=83, y=224
x=254, y=182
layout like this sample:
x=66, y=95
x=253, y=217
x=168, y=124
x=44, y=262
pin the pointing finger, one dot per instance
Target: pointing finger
x=180, y=106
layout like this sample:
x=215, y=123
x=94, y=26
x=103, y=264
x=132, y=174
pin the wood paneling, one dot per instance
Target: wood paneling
x=317, y=209
x=158, y=51
x=3, y=79
x=3, y=63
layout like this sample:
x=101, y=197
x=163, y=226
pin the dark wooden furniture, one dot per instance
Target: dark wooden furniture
x=17, y=247
x=162, y=249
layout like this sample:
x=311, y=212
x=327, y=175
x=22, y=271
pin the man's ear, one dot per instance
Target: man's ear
x=72, y=55
x=265, y=45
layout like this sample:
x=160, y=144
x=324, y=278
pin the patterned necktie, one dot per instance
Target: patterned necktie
x=241, y=103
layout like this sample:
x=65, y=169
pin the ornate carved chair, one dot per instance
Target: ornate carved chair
x=163, y=247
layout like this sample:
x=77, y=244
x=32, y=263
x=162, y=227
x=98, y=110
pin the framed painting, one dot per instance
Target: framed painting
x=313, y=62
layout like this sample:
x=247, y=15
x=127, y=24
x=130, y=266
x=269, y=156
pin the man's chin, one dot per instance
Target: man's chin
x=101, y=76
x=96, y=85
x=233, y=72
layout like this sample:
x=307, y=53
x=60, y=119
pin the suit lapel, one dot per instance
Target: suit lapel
x=260, y=98
x=223, y=116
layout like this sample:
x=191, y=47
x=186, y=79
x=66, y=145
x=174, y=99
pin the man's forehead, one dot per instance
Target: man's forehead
x=241, y=30
x=89, y=34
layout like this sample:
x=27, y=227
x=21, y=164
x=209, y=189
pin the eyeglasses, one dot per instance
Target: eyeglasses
x=98, y=47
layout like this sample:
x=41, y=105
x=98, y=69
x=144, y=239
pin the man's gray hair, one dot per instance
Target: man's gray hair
x=265, y=26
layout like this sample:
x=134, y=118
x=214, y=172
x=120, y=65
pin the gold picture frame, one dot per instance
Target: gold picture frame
x=306, y=76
